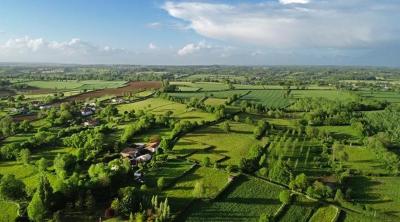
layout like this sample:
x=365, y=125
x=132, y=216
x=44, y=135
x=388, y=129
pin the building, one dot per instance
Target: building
x=143, y=158
x=152, y=147
x=91, y=122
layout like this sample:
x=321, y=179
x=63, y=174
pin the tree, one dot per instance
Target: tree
x=42, y=164
x=41, y=201
x=161, y=183
x=265, y=218
x=129, y=201
x=11, y=188
x=226, y=127
x=24, y=156
x=236, y=118
x=206, y=161
x=284, y=196
x=300, y=182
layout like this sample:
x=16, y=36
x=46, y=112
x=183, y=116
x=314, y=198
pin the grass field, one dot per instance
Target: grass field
x=74, y=84
x=234, y=144
x=269, y=98
x=214, y=101
x=169, y=170
x=363, y=160
x=341, y=132
x=355, y=217
x=245, y=200
x=9, y=211
x=182, y=192
x=299, y=211
x=325, y=213
x=201, y=94
x=202, y=86
x=380, y=193
x=161, y=106
x=328, y=94
x=392, y=97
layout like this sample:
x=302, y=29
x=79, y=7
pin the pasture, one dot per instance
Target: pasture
x=181, y=193
x=159, y=106
x=270, y=98
x=234, y=144
x=325, y=213
x=244, y=200
x=337, y=95
x=75, y=84
x=300, y=210
x=379, y=193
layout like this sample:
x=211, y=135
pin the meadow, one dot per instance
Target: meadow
x=244, y=200
x=75, y=84
x=270, y=98
x=325, y=213
x=234, y=144
x=300, y=210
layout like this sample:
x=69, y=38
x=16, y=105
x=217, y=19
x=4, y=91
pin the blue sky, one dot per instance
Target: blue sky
x=274, y=32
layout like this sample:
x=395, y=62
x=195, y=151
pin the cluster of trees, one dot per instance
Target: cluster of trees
x=60, y=116
x=387, y=122
x=89, y=142
x=390, y=160
x=260, y=129
x=8, y=127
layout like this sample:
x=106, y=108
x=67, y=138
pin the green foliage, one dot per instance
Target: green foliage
x=11, y=188
x=284, y=196
x=161, y=183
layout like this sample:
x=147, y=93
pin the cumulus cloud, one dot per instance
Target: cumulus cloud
x=152, y=46
x=40, y=49
x=192, y=48
x=294, y=1
x=294, y=23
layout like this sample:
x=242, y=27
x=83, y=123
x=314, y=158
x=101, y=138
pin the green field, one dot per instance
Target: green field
x=269, y=98
x=379, y=193
x=363, y=160
x=234, y=144
x=299, y=210
x=325, y=213
x=74, y=84
x=245, y=200
x=170, y=170
x=328, y=94
x=181, y=193
x=161, y=106
x=392, y=97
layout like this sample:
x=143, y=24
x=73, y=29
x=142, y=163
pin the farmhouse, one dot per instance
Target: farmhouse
x=152, y=147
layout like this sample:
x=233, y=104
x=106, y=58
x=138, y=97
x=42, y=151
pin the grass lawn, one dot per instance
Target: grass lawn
x=234, y=144
x=245, y=200
x=325, y=213
x=161, y=106
x=380, y=193
x=341, y=132
x=269, y=98
x=364, y=160
x=169, y=170
x=299, y=211
x=182, y=192
x=9, y=211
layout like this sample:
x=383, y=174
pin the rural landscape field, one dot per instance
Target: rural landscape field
x=200, y=111
x=179, y=148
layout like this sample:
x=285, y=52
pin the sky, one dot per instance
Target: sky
x=187, y=32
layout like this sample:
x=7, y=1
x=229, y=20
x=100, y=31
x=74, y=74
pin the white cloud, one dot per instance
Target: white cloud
x=154, y=25
x=274, y=24
x=294, y=1
x=192, y=48
x=152, y=46
x=42, y=50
